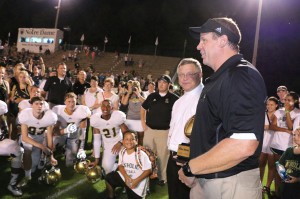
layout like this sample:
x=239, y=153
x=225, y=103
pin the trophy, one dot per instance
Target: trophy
x=183, y=152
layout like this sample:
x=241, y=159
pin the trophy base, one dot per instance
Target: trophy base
x=183, y=153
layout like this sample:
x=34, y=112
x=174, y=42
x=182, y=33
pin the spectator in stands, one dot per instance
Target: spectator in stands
x=58, y=86
x=151, y=89
x=4, y=97
x=12, y=106
x=90, y=95
x=266, y=155
x=34, y=92
x=90, y=99
x=19, y=92
x=282, y=124
x=281, y=93
x=109, y=93
x=133, y=100
x=155, y=117
x=80, y=85
x=37, y=73
x=4, y=86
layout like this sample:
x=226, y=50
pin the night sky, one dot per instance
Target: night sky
x=279, y=43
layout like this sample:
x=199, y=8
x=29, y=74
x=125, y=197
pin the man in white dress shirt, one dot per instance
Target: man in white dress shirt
x=190, y=79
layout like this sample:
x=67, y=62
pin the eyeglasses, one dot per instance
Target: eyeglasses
x=187, y=75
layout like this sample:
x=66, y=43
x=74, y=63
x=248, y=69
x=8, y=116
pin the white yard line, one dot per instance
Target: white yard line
x=62, y=191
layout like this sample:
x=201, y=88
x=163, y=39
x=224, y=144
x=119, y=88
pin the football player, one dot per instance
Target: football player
x=34, y=122
x=71, y=126
x=10, y=147
x=108, y=127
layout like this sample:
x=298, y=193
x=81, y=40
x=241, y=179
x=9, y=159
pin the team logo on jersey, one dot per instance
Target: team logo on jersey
x=167, y=101
x=154, y=100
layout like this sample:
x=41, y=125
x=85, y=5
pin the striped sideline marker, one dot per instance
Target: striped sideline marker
x=63, y=191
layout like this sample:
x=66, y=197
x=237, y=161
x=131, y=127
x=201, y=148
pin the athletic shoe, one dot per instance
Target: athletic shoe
x=14, y=190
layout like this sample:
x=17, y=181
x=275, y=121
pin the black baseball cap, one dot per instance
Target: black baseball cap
x=211, y=25
x=165, y=78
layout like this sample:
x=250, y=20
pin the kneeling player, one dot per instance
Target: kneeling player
x=71, y=126
x=34, y=122
x=108, y=126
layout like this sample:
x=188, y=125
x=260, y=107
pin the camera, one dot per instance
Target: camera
x=134, y=89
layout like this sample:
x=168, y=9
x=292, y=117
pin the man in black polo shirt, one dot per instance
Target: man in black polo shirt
x=228, y=130
x=58, y=86
x=155, y=117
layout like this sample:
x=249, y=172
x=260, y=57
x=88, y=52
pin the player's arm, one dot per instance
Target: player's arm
x=50, y=137
x=50, y=143
x=117, y=147
x=82, y=133
x=97, y=145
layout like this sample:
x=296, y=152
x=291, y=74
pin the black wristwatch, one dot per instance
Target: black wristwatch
x=187, y=170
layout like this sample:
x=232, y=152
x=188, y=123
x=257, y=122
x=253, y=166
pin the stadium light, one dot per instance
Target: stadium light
x=57, y=13
x=257, y=33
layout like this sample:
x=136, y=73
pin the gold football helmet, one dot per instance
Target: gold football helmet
x=50, y=176
x=81, y=166
x=93, y=174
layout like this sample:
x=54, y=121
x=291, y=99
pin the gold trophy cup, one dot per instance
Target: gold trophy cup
x=183, y=152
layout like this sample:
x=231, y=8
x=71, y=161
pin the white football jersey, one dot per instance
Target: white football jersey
x=109, y=129
x=3, y=107
x=81, y=112
x=37, y=126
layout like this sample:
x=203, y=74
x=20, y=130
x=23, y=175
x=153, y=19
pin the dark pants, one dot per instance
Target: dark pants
x=176, y=188
x=115, y=180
